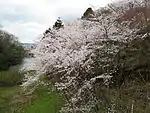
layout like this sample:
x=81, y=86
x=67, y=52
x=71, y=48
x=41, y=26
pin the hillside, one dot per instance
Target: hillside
x=98, y=64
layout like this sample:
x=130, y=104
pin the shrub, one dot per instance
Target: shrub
x=11, y=52
x=133, y=62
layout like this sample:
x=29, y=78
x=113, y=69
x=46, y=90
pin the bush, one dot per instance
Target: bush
x=11, y=51
x=133, y=62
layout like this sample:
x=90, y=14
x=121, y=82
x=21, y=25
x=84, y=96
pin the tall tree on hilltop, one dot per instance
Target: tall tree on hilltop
x=89, y=13
x=58, y=24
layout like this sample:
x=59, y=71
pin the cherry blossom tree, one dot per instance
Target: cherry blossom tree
x=80, y=58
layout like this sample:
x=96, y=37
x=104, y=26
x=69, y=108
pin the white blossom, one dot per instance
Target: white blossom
x=67, y=56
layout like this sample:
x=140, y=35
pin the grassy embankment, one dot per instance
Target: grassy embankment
x=14, y=100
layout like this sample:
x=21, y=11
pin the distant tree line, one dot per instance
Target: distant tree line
x=11, y=51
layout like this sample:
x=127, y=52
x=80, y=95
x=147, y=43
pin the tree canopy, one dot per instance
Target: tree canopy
x=90, y=54
x=11, y=51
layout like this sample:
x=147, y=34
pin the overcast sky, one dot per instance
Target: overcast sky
x=28, y=18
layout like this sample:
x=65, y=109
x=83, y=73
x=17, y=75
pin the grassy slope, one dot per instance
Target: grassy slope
x=45, y=102
x=6, y=95
x=11, y=76
x=14, y=100
x=41, y=101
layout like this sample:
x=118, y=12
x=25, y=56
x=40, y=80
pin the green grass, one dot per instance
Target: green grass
x=6, y=96
x=15, y=100
x=45, y=102
x=42, y=100
x=11, y=76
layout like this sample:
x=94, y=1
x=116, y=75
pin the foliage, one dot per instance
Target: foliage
x=79, y=56
x=58, y=24
x=130, y=98
x=11, y=52
x=134, y=61
x=89, y=13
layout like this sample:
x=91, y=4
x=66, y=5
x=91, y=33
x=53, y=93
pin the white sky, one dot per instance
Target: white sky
x=28, y=18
